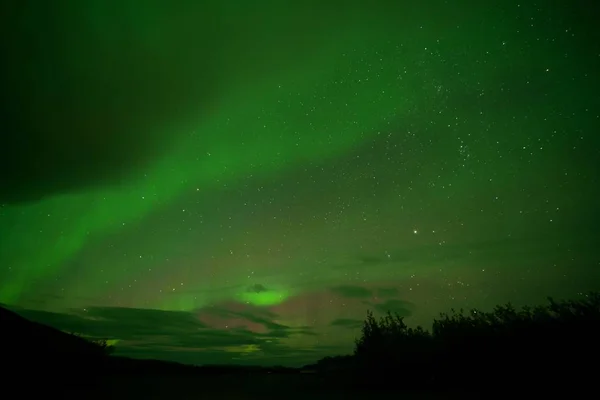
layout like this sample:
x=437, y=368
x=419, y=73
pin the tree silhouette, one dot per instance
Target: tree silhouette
x=558, y=340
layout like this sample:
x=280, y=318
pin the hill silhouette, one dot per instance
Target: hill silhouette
x=23, y=337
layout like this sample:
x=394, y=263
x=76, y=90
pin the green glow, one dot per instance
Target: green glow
x=210, y=154
x=265, y=298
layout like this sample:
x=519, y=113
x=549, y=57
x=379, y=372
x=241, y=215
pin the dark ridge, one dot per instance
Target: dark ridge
x=24, y=338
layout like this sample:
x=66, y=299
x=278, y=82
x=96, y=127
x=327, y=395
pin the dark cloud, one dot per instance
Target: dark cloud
x=347, y=323
x=353, y=292
x=85, y=103
x=118, y=323
x=434, y=253
x=217, y=338
x=176, y=336
x=387, y=292
x=261, y=316
x=257, y=288
x=94, y=92
x=259, y=319
x=400, y=307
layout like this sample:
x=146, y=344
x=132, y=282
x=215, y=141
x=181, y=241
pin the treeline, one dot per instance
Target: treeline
x=552, y=344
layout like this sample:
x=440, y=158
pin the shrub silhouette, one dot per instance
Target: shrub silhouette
x=103, y=346
x=554, y=342
x=97, y=347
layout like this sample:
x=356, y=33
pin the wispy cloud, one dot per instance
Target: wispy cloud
x=347, y=323
x=353, y=292
x=396, y=306
x=257, y=288
x=386, y=292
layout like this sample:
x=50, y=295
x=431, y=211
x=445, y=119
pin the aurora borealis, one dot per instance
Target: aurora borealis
x=239, y=182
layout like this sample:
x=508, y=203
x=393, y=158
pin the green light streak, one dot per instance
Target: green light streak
x=265, y=137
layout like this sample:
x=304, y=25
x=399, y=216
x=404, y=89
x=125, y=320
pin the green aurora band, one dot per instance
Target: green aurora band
x=211, y=153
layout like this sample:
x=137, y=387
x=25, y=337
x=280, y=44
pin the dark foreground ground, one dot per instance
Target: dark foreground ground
x=311, y=387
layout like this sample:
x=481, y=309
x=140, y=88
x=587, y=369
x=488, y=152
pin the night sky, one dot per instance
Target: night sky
x=229, y=181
